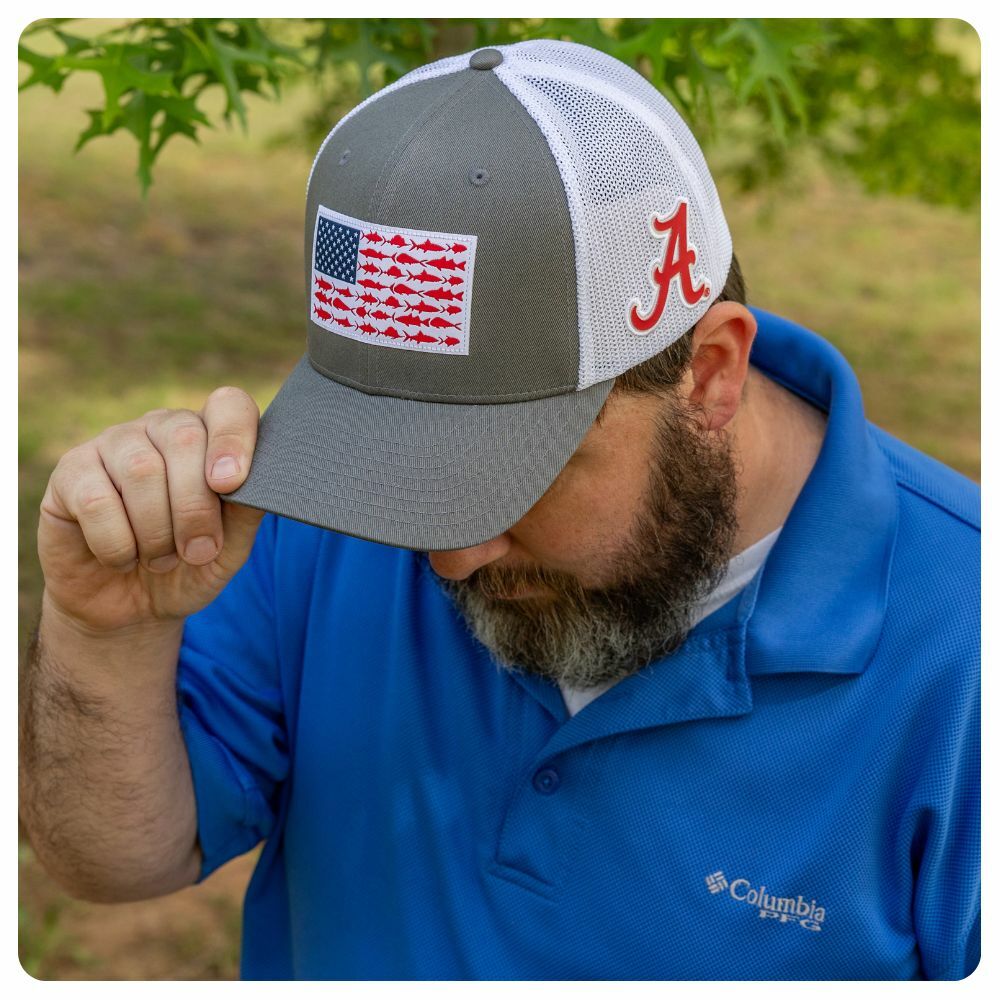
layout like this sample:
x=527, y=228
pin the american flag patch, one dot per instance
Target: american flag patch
x=395, y=287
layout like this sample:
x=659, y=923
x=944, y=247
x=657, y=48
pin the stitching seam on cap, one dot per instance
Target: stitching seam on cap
x=577, y=239
x=413, y=77
x=572, y=249
x=564, y=201
x=405, y=141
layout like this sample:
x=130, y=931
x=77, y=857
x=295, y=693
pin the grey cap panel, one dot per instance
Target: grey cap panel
x=344, y=178
x=409, y=473
x=413, y=154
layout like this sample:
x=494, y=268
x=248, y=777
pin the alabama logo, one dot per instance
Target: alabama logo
x=675, y=269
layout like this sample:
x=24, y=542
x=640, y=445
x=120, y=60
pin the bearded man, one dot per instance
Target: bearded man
x=592, y=633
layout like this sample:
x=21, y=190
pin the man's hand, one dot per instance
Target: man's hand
x=132, y=530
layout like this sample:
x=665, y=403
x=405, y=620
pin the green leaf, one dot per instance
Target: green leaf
x=45, y=70
x=179, y=118
x=770, y=71
x=98, y=126
x=71, y=42
x=137, y=118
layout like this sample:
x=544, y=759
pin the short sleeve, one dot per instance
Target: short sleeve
x=947, y=851
x=231, y=711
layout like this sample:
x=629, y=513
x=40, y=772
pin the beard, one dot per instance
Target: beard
x=676, y=553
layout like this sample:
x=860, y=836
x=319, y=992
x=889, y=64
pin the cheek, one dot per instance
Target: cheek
x=584, y=519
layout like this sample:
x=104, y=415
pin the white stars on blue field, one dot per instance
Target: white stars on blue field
x=337, y=250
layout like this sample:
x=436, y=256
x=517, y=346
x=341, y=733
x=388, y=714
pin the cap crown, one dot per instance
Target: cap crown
x=599, y=238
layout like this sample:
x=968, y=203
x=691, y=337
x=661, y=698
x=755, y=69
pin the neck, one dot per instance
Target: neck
x=776, y=438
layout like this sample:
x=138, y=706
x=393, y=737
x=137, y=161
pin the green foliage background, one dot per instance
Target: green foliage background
x=866, y=93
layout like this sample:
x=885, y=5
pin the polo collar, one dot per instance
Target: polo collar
x=819, y=601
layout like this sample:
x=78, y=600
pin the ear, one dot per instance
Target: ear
x=720, y=358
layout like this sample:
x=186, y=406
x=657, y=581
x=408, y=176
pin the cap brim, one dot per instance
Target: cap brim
x=411, y=473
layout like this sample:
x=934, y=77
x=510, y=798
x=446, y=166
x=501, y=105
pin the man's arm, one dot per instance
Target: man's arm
x=132, y=540
x=105, y=785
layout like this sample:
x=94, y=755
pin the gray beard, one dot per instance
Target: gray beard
x=677, y=553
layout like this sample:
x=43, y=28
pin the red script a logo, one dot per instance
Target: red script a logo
x=678, y=262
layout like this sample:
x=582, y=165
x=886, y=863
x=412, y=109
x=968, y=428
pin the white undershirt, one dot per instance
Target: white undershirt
x=742, y=568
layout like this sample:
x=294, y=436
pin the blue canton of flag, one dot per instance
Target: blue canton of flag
x=337, y=250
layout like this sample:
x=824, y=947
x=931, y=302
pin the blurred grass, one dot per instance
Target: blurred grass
x=128, y=305
x=193, y=934
x=894, y=284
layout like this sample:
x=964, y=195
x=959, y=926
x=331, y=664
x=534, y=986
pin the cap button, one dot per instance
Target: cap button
x=485, y=59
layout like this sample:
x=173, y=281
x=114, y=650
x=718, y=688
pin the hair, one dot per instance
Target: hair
x=661, y=373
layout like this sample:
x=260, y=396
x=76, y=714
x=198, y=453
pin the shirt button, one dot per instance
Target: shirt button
x=546, y=781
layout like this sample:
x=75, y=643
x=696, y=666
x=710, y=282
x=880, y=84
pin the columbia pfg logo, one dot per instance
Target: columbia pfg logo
x=716, y=882
x=770, y=906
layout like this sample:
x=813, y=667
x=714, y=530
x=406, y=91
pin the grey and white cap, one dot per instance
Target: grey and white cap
x=489, y=242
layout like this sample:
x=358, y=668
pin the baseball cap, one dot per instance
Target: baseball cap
x=489, y=242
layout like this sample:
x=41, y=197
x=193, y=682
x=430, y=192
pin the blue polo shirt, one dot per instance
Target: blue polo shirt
x=792, y=794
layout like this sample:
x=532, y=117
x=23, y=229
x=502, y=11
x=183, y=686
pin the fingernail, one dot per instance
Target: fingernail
x=225, y=467
x=163, y=564
x=200, y=550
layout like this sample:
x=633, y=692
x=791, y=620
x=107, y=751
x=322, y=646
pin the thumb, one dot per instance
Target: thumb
x=239, y=528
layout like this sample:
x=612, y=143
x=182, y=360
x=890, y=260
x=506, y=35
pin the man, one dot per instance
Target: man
x=635, y=651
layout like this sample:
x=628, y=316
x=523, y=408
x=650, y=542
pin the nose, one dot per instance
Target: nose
x=457, y=564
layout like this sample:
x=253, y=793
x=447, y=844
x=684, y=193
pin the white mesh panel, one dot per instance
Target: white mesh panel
x=624, y=153
x=449, y=65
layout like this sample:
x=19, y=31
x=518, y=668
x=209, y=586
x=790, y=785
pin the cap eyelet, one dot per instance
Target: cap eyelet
x=344, y=157
x=479, y=176
x=486, y=59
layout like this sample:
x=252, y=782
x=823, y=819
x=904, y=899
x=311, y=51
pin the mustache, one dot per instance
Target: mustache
x=495, y=582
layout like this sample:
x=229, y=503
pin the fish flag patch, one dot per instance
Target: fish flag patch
x=395, y=287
